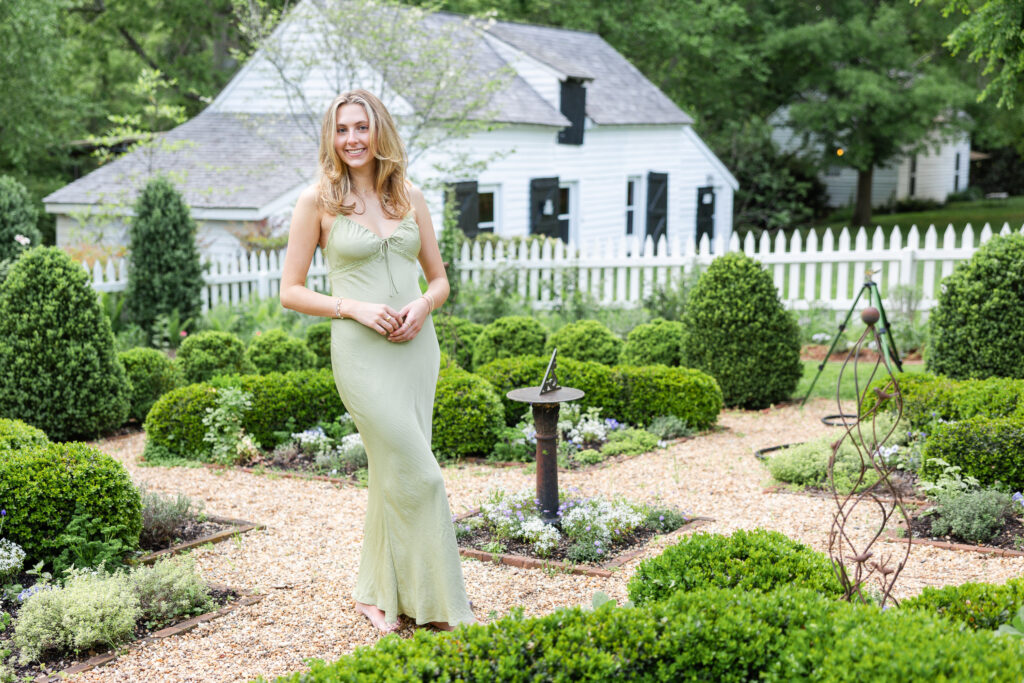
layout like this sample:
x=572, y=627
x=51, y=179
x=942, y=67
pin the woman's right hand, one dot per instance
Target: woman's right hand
x=380, y=318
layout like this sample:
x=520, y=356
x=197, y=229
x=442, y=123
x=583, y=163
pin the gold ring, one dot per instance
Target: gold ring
x=387, y=317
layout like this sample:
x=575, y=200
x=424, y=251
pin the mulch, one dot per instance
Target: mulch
x=818, y=351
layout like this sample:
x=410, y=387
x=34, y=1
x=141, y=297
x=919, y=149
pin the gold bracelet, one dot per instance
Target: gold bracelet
x=337, y=308
x=430, y=302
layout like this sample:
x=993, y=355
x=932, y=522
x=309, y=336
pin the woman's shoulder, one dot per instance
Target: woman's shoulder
x=309, y=196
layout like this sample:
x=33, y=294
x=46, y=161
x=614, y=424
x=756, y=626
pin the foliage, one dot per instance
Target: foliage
x=930, y=397
x=585, y=340
x=738, y=332
x=668, y=301
x=978, y=606
x=467, y=415
x=57, y=355
x=12, y=559
x=656, y=390
x=974, y=328
x=276, y=351
x=972, y=516
x=989, y=449
x=168, y=590
x=90, y=543
x=248, y=318
x=207, y=354
x=15, y=435
x=494, y=298
x=17, y=219
x=629, y=441
x=507, y=337
x=224, y=430
x=659, y=341
x=44, y=487
x=164, y=273
x=318, y=340
x=152, y=374
x=91, y=610
x=163, y=516
x=457, y=337
x=750, y=560
x=174, y=426
x=669, y=427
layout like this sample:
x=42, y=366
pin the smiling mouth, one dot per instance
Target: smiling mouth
x=355, y=152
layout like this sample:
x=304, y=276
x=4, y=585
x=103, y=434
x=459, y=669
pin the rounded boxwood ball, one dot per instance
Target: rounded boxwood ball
x=586, y=340
x=457, y=337
x=659, y=342
x=738, y=332
x=15, y=435
x=276, y=351
x=467, y=415
x=206, y=354
x=152, y=375
x=514, y=335
x=977, y=328
x=318, y=339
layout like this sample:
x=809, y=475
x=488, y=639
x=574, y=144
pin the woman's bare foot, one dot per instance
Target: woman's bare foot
x=376, y=617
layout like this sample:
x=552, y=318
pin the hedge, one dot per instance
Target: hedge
x=990, y=449
x=653, y=391
x=151, y=374
x=926, y=397
x=982, y=606
x=467, y=415
x=15, y=434
x=711, y=634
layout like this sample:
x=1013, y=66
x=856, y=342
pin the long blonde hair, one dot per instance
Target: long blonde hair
x=335, y=183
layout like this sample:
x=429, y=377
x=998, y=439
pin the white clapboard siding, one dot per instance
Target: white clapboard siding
x=828, y=272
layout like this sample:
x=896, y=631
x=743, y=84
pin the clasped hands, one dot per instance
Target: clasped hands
x=397, y=326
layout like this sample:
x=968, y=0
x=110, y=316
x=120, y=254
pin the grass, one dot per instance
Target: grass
x=825, y=387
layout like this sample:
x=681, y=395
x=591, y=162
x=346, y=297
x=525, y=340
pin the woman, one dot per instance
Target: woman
x=372, y=226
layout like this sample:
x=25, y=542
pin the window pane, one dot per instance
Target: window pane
x=486, y=207
x=630, y=186
x=563, y=199
x=629, y=222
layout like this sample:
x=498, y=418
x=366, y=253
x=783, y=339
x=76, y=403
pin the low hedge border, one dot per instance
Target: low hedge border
x=990, y=449
x=926, y=397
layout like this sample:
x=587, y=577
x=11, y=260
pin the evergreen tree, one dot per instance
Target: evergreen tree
x=164, y=273
x=17, y=219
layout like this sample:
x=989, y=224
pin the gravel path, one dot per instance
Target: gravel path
x=307, y=558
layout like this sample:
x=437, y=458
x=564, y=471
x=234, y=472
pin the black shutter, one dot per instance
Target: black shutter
x=657, y=205
x=706, y=213
x=544, y=191
x=467, y=207
x=574, y=107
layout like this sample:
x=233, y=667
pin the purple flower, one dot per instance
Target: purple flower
x=597, y=544
x=661, y=518
x=3, y=513
x=600, y=552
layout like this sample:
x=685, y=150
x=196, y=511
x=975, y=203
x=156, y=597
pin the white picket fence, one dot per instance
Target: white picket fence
x=828, y=273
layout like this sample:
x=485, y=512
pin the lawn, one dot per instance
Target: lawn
x=825, y=387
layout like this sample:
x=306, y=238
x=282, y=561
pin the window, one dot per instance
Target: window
x=833, y=171
x=956, y=174
x=632, y=195
x=487, y=210
x=566, y=197
x=573, y=106
x=476, y=207
x=913, y=176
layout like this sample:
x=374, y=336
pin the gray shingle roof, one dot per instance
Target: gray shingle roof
x=217, y=161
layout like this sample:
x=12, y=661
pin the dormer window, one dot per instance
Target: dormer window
x=574, y=102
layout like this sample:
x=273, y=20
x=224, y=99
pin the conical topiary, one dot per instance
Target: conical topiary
x=738, y=332
x=976, y=330
x=164, y=272
x=58, y=368
x=17, y=219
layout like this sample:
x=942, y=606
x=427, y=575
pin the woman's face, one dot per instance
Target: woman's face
x=352, y=136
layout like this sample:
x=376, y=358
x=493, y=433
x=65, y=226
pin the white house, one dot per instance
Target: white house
x=933, y=174
x=587, y=149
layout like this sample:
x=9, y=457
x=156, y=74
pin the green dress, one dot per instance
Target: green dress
x=410, y=561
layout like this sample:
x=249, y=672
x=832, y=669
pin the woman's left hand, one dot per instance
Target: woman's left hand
x=414, y=314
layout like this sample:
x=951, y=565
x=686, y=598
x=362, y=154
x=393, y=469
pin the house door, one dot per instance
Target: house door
x=657, y=206
x=706, y=213
x=467, y=204
x=545, y=208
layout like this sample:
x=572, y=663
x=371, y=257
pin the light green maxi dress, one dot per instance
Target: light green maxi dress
x=410, y=561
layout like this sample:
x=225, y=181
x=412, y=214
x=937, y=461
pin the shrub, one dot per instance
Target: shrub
x=318, y=340
x=629, y=442
x=972, y=516
x=595, y=379
x=507, y=337
x=275, y=351
x=926, y=397
x=15, y=435
x=467, y=415
x=90, y=611
x=656, y=390
x=657, y=342
x=979, y=606
x=708, y=635
x=44, y=487
x=975, y=328
x=738, y=332
x=585, y=340
x=992, y=450
x=152, y=374
x=164, y=516
x=60, y=372
x=210, y=353
x=164, y=273
x=168, y=590
x=174, y=425
x=457, y=337
x=749, y=560
x=669, y=427
x=17, y=217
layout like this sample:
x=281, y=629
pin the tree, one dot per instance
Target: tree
x=17, y=220
x=328, y=46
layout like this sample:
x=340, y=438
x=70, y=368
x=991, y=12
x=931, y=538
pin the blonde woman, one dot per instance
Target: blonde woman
x=373, y=226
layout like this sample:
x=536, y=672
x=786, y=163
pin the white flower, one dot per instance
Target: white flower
x=11, y=559
x=22, y=240
x=543, y=537
x=351, y=440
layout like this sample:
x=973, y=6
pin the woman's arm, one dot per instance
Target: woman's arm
x=415, y=312
x=303, y=238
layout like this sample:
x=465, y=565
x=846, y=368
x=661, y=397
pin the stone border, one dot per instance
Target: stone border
x=238, y=526
x=284, y=474
x=602, y=571
x=245, y=598
x=891, y=536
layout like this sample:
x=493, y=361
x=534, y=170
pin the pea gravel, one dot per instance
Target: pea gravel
x=307, y=558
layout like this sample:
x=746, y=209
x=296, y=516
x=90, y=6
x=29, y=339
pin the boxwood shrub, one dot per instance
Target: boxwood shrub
x=44, y=487
x=585, y=340
x=980, y=606
x=467, y=415
x=277, y=351
x=749, y=560
x=457, y=337
x=318, y=340
x=506, y=337
x=655, y=390
x=206, y=354
x=926, y=397
x=990, y=449
x=709, y=635
x=174, y=425
x=152, y=375
x=15, y=434
x=657, y=342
